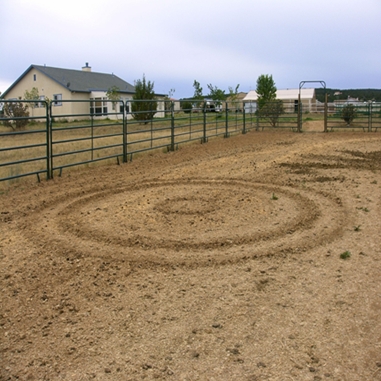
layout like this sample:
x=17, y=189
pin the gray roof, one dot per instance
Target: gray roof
x=79, y=80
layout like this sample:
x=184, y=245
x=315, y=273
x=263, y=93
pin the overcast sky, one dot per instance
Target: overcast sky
x=174, y=42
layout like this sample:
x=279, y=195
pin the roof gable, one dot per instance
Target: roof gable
x=78, y=80
x=84, y=81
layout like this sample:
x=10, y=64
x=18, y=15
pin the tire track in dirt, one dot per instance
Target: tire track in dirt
x=194, y=221
x=93, y=283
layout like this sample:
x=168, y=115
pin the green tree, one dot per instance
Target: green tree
x=144, y=104
x=197, y=95
x=271, y=111
x=31, y=96
x=266, y=90
x=197, y=91
x=114, y=96
x=216, y=94
x=233, y=94
x=233, y=98
x=348, y=113
x=16, y=110
x=186, y=106
x=168, y=101
x=170, y=93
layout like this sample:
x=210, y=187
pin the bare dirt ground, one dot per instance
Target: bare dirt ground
x=219, y=261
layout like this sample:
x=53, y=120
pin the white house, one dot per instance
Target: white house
x=73, y=92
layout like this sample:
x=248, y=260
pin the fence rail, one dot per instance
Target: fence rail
x=366, y=117
x=24, y=152
x=40, y=138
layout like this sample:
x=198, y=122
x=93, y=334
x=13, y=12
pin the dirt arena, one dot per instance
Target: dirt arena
x=250, y=258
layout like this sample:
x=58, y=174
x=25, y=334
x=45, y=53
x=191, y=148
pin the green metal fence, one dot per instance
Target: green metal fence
x=79, y=138
x=39, y=138
x=65, y=134
x=366, y=117
x=25, y=148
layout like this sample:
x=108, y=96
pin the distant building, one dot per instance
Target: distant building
x=289, y=97
x=235, y=102
x=358, y=104
x=349, y=101
x=67, y=87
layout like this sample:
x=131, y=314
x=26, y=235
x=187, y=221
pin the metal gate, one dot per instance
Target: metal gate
x=354, y=116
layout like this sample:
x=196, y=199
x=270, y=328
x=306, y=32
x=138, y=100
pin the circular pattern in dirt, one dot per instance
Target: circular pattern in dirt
x=195, y=216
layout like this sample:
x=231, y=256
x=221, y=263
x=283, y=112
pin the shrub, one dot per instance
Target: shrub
x=144, y=103
x=186, y=106
x=271, y=111
x=13, y=111
x=348, y=113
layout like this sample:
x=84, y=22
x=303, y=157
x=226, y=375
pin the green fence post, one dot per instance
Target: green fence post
x=204, y=139
x=226, y=120
x=92, y=137
x=172, y=126
x=124, y=105
x=370, y=116
x=326, y=113
x=244, y=119
x=299, y=113
x=48, y=143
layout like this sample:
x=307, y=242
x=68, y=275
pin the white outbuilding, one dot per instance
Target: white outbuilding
x=290, y=99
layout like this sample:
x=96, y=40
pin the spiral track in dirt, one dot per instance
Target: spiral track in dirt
x=184, y=264
x=190, y=221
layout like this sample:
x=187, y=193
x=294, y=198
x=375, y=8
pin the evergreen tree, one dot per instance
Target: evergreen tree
x=348, y=113
x=144, y=104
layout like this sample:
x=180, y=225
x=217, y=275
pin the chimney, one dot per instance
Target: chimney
x=87, y=67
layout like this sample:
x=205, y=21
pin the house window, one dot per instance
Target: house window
x=42, y=98
x=57, y=98
x=105, y=106
x=34, y=77
x=98, y=106
x=296, y=106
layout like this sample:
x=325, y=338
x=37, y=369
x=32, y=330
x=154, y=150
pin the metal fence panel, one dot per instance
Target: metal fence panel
x=276, y=115
x=45, y=138
x=85, y=132
x=353, y=116
x=25, y=143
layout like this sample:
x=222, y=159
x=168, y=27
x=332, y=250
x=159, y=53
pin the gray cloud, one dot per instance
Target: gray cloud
x=175, y=42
